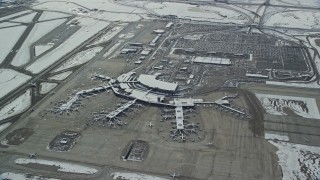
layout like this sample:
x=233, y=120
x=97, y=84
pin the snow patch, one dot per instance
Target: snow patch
x=62, y=166
x=109, y=35
x=280, y=105
x=16, y=106
x=40, y=49
x=38, y=31
x=20, y=176
x=46, y=87
x=89, y=28
x=60, y=77
x=14, y=15
x=25, y=19
x=134, y=176
x=298, y=161
x=10, y=41
x=10, y=80
x=276, y=137
x=47, y=15
x=4, y=126
x=79, y=58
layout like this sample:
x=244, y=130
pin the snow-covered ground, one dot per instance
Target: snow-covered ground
x=113, y=48
x=281, y=105
x=38, y=31
x=62, y=166
x=20, y=176
x=313, y=44
x=14, y=15
x=312, y=85
x=25, y=19
x=10, y=80
x=295, y=19
x=16, y=106
x=4, y=126
x=79, y=58
x=134, y=176
x=298, y=161
x=46, y=87
x=60, y=77
x=202, y=13
x=89, y=28
x=277, y=137
x=8, y=24
x=311, y=3
x=47, y=15
x=40, y=49
x=10, y=41
x=109, y=35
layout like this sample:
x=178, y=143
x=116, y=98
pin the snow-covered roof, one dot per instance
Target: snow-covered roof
x=152, y=82
x=179, y=117
x=212, y=60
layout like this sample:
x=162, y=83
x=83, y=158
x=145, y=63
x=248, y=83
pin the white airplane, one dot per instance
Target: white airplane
x=183, y=138
x=150, y=124
x=174, y=175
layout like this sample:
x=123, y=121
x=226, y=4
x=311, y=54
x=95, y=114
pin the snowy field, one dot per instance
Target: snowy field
x=47, y=15
x=16, y=106
x=14, y=15
x=60, y=77
x=312, y=85
x=89, y=28
x=40, y=49
x=295, y=19
x=25, y=19
x=10, y=80
x=5, y=48
x=20, y=176
x=109, y=35
x=298, y=161
x=38, y=31
x=201, y=13
x=311, y=3
x=113, y=48
x=277, y=137
x=134, y=176
x=79, y=58
x=313, y=44
x=61, y=166
x=8, y=24
x=46, y=87
x=4, y=126
x=288, y=105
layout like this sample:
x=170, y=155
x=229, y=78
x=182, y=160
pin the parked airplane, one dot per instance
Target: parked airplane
x=174, y=175
x=150, y=124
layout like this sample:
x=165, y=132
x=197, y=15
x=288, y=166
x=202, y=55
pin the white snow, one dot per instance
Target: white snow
x=10, y=80
x=20, y=176
x=298, y=161
x=89, y=28
x=4, y=126
x=62, y=166
x=38, y=31
x=47, y=15
x=302, y=106
x=277, y=137
x=60, y=77
x=25, y=19
x=16, y=106
x=40, y=49
x=8, y=24
x=313, y=44
x=295, y=19
x=10, y=41
x=109, y=35
x=46, y=87
x=113, y=48
x=79, y=58
x=312, y=85
x=296, y=2
x=14, y=15
x=194, y=12
x=134, y=176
